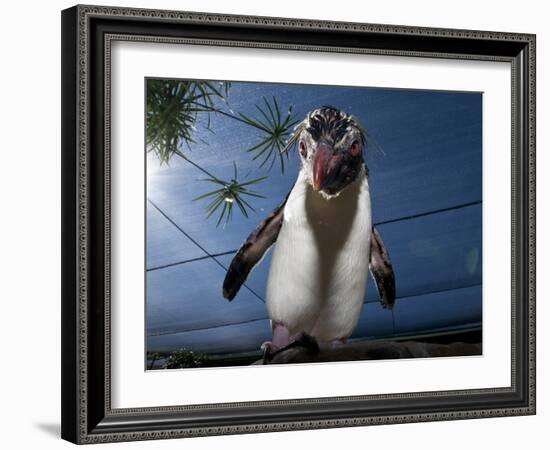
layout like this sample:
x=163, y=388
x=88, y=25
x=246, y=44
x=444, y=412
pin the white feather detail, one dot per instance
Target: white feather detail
x=320, y=262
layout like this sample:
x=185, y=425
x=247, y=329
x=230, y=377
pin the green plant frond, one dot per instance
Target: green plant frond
x=184, y=358
x=255, y=123
x=241, y=206
x=275, y=130
x=264, y=115
x=215, y=206
x=235, y=171
x=253, y=181
x=267, y=148
x=247, y=204
x=287, y=123
x=232, y=193
x=214, y=180
x=270, y=156
x=252, y=194
x=274, y=120
x=263, y=143
x=208, y=194
x=222, y=214
x=172, y=110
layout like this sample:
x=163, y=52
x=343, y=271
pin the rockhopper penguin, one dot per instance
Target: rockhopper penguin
x=324, y=239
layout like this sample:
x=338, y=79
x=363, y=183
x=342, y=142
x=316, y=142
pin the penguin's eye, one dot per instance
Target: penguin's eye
x=354, y=149
x=303, y=150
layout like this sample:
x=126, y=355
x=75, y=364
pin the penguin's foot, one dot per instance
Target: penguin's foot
x=281, y=335
x=280, y=339
x=269, y=348
x=302, y=348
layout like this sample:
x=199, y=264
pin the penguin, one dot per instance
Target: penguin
x=324, y=243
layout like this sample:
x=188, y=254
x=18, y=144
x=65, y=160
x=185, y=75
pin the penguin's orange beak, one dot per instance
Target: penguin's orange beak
x=320, y=165
x=325, y=166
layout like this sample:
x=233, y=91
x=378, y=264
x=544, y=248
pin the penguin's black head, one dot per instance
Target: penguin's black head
x=330, y=143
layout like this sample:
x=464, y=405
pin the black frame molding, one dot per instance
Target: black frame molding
x=87, y=33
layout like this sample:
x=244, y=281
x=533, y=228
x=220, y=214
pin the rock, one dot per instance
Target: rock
x=306, y=350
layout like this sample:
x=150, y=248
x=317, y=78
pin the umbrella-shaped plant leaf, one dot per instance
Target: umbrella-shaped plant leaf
x=174, y=108
x=228, y=194
x=274, y=131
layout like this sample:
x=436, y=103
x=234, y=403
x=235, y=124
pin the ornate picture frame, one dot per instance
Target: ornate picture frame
x=88, y=33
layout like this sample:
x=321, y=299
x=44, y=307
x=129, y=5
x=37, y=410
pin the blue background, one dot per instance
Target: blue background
x=426, y=191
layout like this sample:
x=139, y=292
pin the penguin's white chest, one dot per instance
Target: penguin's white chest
x=320, y=262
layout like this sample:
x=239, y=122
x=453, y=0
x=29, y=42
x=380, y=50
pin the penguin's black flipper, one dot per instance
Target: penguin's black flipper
x=382, y=270
x=252, y=251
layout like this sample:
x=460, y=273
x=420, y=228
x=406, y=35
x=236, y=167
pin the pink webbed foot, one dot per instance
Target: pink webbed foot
x=302, y=348
x=280, y=339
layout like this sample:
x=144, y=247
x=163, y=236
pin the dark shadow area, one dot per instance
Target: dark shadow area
x=53, y=429
x=307, y=350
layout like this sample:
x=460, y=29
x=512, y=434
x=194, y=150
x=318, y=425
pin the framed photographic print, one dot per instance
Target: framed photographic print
x=281, y=224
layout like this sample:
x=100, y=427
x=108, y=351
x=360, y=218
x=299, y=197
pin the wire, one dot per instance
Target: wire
x=199, y=245
x=229, y=252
